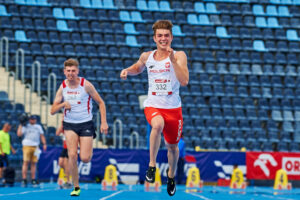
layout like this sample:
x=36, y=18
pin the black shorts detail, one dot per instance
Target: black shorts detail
x=3, y=161
x=64, y=153
x=85, y=129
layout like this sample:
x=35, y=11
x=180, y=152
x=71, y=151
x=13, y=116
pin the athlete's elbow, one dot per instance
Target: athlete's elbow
x=184, y=83
x=52, y=112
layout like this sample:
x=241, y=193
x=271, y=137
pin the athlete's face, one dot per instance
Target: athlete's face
x=163, y=38
x=71, y=72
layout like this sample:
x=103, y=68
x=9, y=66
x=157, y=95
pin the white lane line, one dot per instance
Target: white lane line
x=275, y=197
x=197, y=195
x=26, y=192
x=113, y=194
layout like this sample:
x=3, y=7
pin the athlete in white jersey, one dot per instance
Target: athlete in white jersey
x=167, y=70
x=75, y=96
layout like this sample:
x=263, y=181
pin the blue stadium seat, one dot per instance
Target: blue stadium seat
x=205, y=113
x=108, y=4
x=62, y=25
x=129, y=28
x=85, y=3
x=216, y=113
x=283, y=11
x=125, y=16
x=221, y=32
x=96, y=4
x=58, y=13
x=199, y=7
x=192, y=19
x=258, y=45
x=3, y=96
x=203, y=20
x=211, y=8
x=261, y=22
x=21, y=36
x=292, y=35
x=131, y=41
x=226, y=21
x=164, y=6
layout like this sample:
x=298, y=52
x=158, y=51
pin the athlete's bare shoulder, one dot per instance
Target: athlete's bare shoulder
x=87, y=83
x=180, y=53
x=144, y=56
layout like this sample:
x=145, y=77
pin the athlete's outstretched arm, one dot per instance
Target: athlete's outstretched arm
x=58, y=104
x=179, y=61
x=136, y=68
x=90, y=89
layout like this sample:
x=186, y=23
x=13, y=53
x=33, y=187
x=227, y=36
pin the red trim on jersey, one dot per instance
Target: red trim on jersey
x=88, y=104
x=64, y=84
x=82, y=82
x=169, y=93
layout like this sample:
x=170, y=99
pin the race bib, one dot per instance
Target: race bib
x=161, y=87
x=73, y=98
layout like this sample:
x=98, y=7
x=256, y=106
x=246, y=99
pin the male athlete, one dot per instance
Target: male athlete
x=75, y=96
x=167, y=70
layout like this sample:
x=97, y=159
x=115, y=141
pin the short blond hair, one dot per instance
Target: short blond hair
x=162, y=24
x=71, y=62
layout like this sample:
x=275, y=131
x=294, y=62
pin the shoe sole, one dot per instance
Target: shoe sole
x=150, y=181
x=170, y=194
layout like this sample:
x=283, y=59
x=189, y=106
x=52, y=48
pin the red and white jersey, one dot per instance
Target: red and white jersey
x=163, y=91
x=80, y=101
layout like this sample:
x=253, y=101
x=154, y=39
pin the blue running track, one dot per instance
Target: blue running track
x=50, y=191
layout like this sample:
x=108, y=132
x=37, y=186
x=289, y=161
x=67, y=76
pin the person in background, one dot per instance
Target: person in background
x=5, y=148
x=63, y=158
x=33, y=133
x=181, y=160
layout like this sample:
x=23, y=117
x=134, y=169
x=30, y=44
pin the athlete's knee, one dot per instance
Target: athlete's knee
x=172, y=148
x=85, y=159
x=73, y=156
x=158, y=127
x=60, y=162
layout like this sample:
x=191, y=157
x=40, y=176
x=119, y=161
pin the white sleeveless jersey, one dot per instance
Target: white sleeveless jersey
x=163, y=91
x=81, y=103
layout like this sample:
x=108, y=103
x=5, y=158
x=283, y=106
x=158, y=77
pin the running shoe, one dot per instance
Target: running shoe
x=75, y=192
x=150, y=174
x=67, y=185
x=34, y=182
x=171, y=186
x=24, y=183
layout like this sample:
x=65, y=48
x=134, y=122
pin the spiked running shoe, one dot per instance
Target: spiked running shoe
x=171, y=186
x=150, y=174
x=75, y=192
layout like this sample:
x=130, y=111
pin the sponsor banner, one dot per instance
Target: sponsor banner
x=132, y=164
x=263, y=165
x=215, y=165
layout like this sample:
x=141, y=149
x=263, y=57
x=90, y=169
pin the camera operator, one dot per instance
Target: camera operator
x=33, y=133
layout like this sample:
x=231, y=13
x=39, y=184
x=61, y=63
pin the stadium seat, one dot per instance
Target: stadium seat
x=21, y=36
x=292, y=35
x=108, y=4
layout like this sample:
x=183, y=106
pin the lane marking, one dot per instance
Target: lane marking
x=26, y=192
x=197, y=195
x=113, y=194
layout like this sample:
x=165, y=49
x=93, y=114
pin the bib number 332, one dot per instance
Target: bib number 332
x=161, y=87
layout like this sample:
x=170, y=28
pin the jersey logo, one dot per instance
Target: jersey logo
x=154, y=113
x=167, y=65
x=151, y=66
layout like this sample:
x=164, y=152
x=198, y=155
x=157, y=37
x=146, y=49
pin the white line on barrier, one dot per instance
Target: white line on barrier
x=113, y=194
